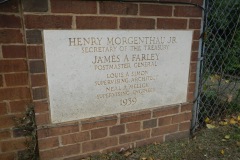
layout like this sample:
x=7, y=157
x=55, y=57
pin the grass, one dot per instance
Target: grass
x=220, y=143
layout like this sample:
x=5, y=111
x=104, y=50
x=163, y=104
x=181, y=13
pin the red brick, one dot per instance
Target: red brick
x=7, y=121
x=34, y=36
x=9, y=6
x=184, y=126
x=191, y=87
x=1, y=81
x=37, y=66
x=192, y=77
x=5, y=135
x=48, y=143
x=39, y=93
x=137, y=23
x=155, y=10
x=194, y=57
x=42, y=119
x=118, y=8
x=187, y=11
x=73, y=6
x=12, y=145
x=38, y=80
x=195, y=24
x=115, y=130
x=178, y=135
x=18, y=106
x=16, y=79
x=182, y=117
x=41, y=106
x=193, y=66
x=75, y=138
x=131, y=137
x=10, y=21
x=196, y=35
x=186, y=107
x=99, y=144
x=48, y=21
x=14, y=51
x=60, y=152
x=148, y=141
x=13, y=65
x=8, y=156
x=55, y=131
x=150, y=123
x=165, y=111
x=98, y=122
x=164, y=130
x=195, y=45
x=11, y=36
x=165, y=121
x=167, y=23
x=98, y=22
x=135, y=116
x=14, y=93
x=99, y=133
x=199, y=2
x=35, y=6
x=3, y=108
x=133, y=127
x=190, y=97
x=35, y=52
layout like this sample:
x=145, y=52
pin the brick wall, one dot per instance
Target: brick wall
x=23, y=76
x=14, y=81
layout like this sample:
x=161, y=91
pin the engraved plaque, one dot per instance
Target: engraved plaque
x=101, y=72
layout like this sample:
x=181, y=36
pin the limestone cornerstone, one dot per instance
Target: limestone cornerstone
x=112, y=71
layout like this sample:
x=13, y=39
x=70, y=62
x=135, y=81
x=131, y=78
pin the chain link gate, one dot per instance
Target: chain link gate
x=219, y=76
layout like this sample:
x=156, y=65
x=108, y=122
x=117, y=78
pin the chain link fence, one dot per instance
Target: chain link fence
x=219, y=77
